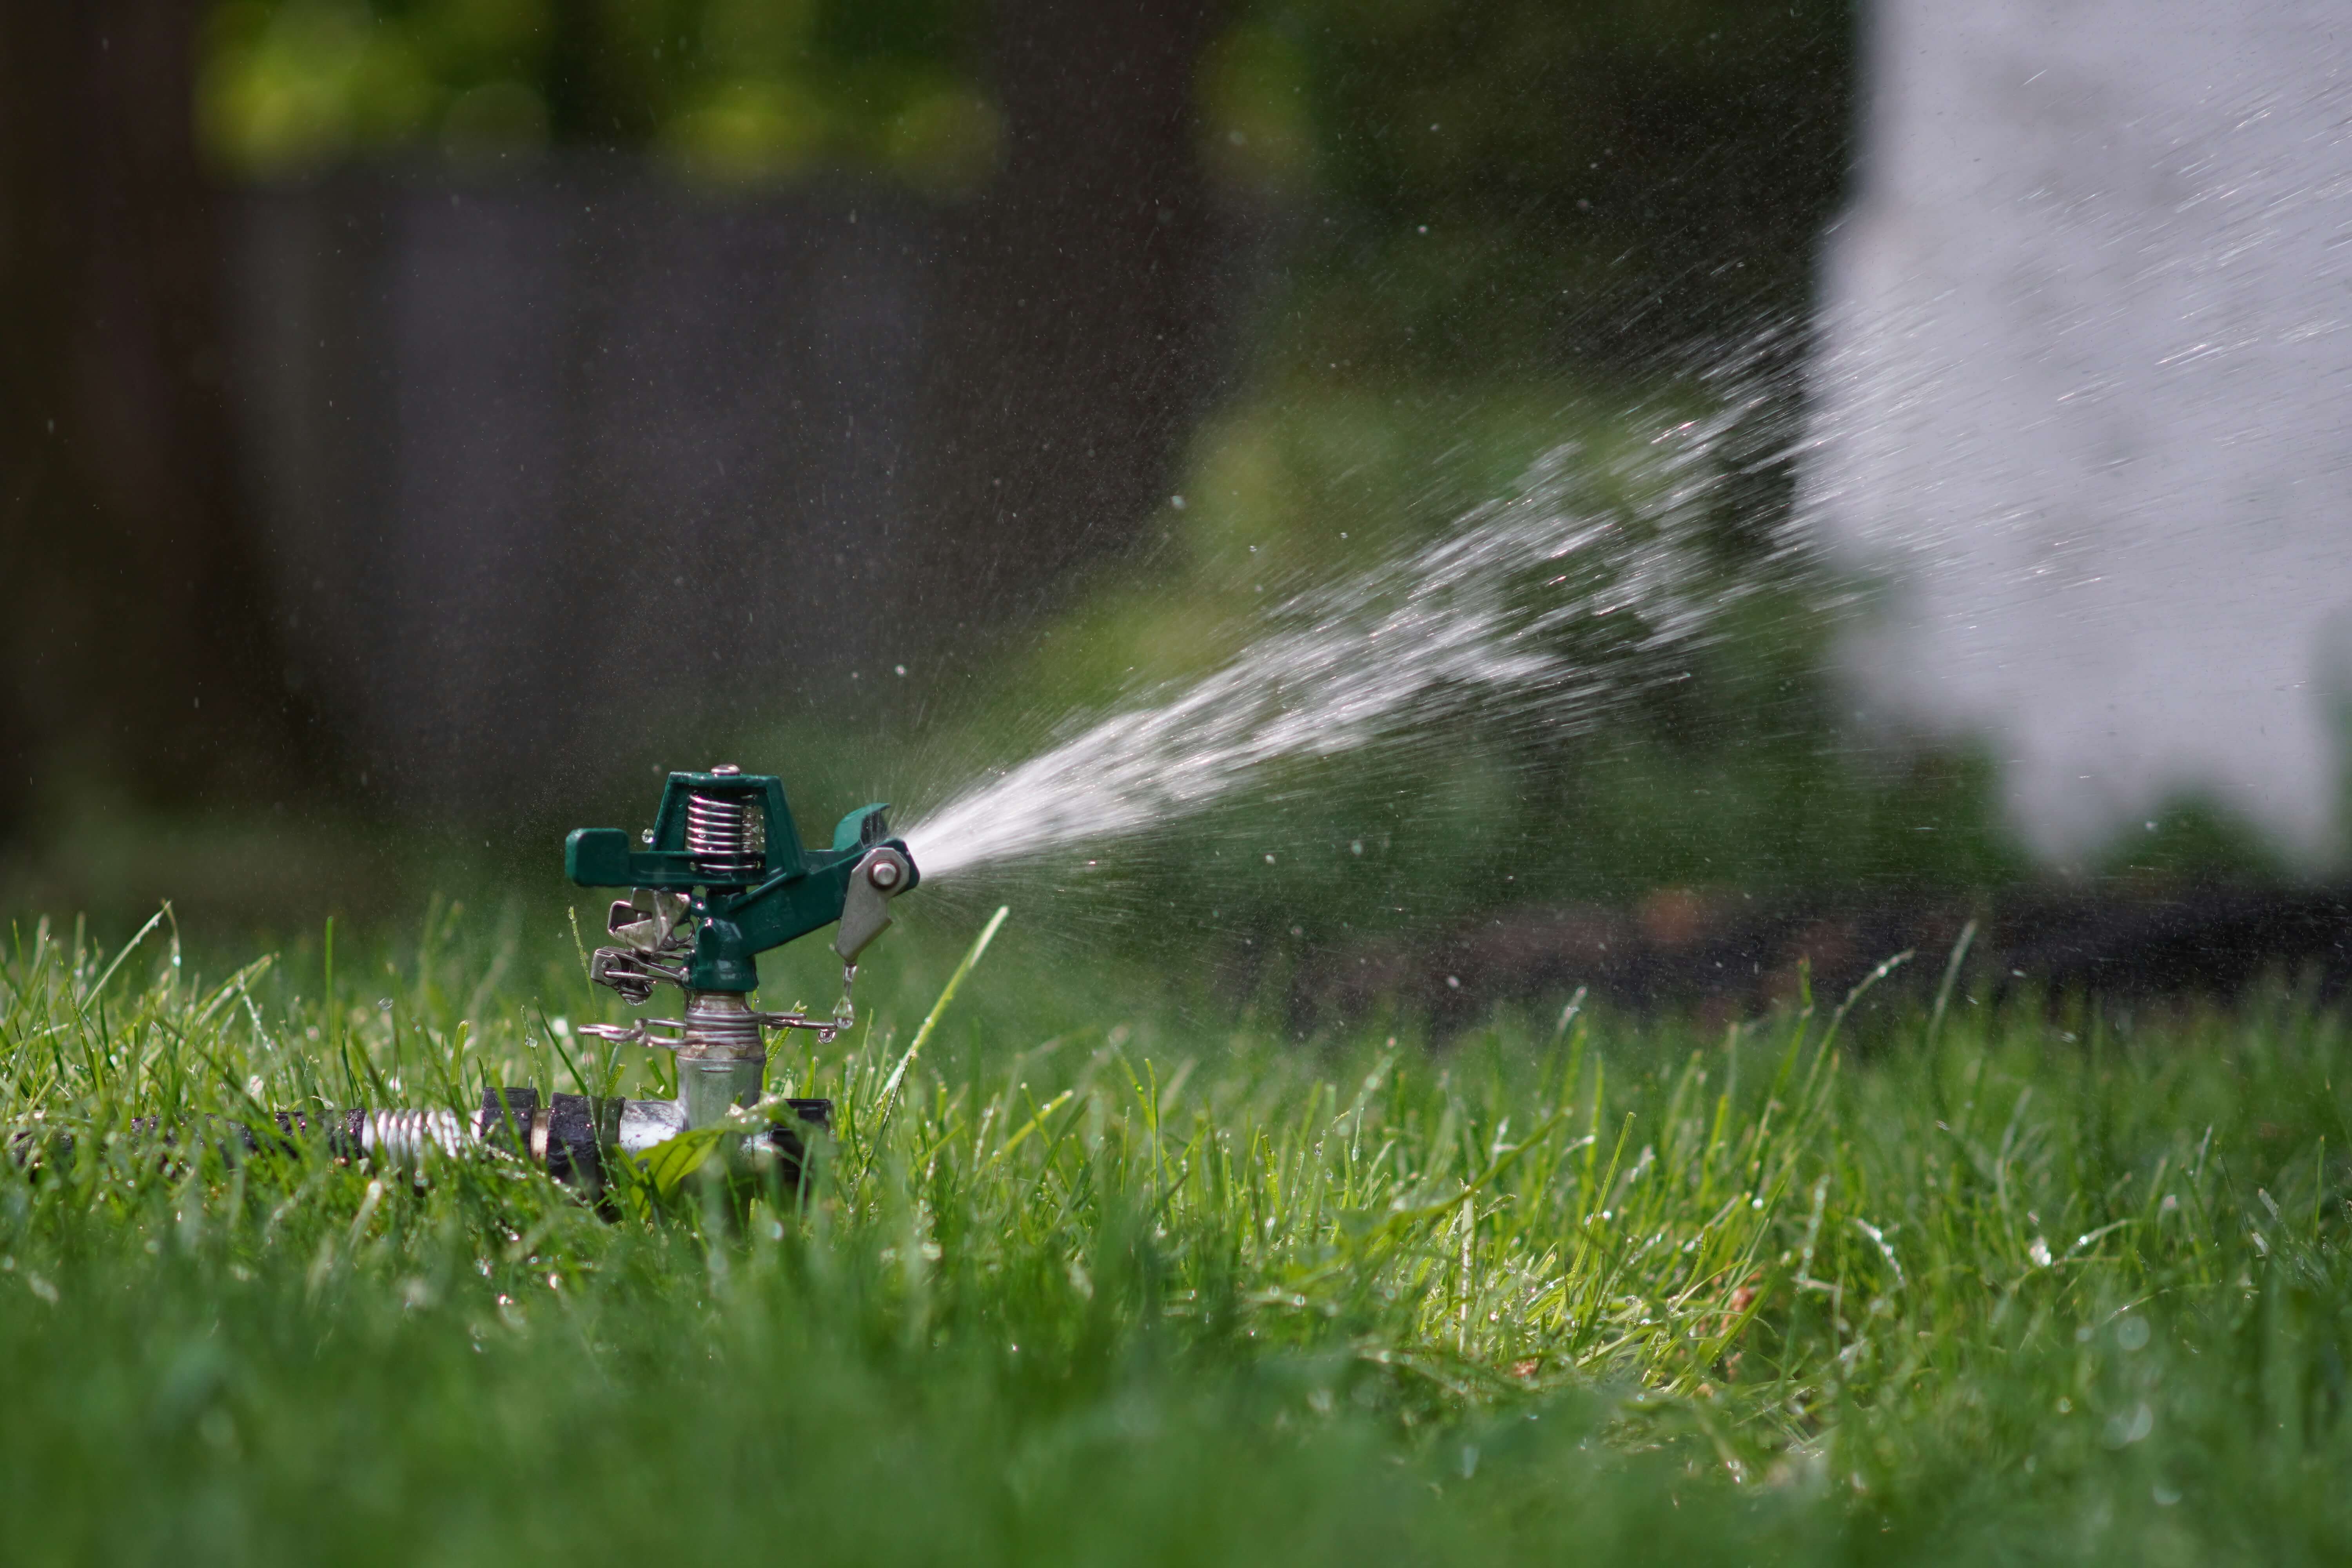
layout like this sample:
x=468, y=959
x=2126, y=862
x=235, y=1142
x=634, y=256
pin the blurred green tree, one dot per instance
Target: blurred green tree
x=735, y=88
x=1507, y=182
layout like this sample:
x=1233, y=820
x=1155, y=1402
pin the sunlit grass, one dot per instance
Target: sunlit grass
x=2024, y=1286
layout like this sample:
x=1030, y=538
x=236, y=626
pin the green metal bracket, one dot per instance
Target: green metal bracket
x=786, y=892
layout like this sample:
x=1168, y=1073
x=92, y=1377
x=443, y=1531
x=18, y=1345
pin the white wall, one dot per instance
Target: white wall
x=2084, y=405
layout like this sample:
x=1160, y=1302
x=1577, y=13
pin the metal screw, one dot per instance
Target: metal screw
x=883, y=874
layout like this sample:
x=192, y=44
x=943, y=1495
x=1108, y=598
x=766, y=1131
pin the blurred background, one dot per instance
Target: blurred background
x=422, y=422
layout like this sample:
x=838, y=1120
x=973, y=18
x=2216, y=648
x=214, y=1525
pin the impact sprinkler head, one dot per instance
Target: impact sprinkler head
x=721, y=877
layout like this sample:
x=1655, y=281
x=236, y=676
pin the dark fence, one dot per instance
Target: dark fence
x=556, y=464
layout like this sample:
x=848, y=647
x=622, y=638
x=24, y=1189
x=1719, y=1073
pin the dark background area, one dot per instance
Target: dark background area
x=423, y=421
x=455, y=398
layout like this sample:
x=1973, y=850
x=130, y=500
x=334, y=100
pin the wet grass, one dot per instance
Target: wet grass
x=1080, y=1283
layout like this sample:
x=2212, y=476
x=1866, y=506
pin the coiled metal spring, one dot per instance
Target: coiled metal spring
x=405, y=1136
x=723, y=835
x=720, y=1024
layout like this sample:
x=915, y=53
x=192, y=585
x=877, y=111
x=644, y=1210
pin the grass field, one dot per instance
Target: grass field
x=1092, y=1283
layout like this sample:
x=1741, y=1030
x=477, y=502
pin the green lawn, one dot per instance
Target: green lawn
x=1108, y=1280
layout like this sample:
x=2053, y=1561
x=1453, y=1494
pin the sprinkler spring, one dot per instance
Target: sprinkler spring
x=723, y=835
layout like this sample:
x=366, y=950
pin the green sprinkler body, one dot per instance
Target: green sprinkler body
x=730, y=835
x=720, y=878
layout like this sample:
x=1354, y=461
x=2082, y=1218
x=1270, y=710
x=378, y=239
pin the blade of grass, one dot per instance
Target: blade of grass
x=889, y=1095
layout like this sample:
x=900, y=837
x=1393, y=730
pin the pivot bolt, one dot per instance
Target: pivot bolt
x=883, y=874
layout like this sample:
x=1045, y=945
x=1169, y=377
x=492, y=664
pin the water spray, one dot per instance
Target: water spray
x=1551, y=607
